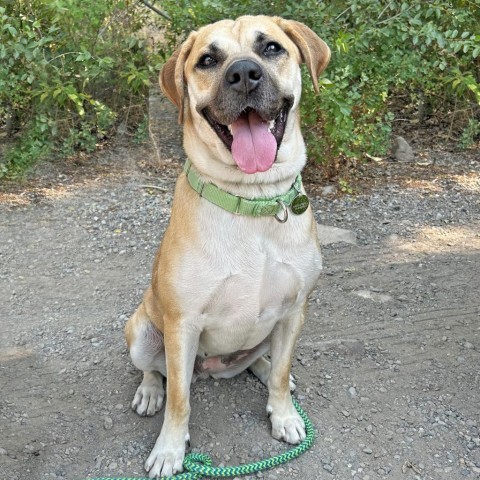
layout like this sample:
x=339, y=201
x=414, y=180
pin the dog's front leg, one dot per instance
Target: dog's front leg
x=287, y=424
x=181, y=345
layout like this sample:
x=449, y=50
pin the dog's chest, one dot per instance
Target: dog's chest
x=247, y=277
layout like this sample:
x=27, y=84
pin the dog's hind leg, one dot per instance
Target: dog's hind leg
x=261, y=369
x=147, y=352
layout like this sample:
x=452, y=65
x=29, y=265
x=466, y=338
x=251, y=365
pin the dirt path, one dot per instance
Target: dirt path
x=388, y=366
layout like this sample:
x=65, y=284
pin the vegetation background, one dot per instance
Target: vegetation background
x=74, y=72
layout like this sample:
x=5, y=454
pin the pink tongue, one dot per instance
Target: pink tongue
x=253, y=148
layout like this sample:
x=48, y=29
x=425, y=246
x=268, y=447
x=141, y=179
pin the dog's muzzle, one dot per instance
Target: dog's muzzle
x=249, y=115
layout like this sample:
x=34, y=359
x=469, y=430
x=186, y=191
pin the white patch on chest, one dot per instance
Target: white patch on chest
x=246, y=306
x=243, y=279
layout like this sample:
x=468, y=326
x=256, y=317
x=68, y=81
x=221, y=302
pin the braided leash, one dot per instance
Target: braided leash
x=199, y=465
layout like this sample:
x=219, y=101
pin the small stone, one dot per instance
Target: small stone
x=108, y=423
x=468, y=345
x=328, y=235
x=367, y=450
x=345, y=413
x=376, y=297
x=352, y=391
x=2, y=451
x=118, y=406
x=328, y=467
x=402, y=151
x=329, y=190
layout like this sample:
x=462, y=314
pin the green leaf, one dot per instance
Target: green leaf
x=84, y=56
x=12, y=30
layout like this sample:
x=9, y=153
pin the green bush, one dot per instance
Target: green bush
x=69, y=69
x=428, y=52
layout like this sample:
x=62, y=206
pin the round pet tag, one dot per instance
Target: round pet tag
x=300, y=204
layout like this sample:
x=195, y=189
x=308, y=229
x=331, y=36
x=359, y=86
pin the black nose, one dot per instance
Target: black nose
x=244, y=76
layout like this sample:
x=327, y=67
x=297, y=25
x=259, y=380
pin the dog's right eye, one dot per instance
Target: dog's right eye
x=206, y=61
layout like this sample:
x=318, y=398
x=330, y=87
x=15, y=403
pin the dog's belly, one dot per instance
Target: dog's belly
x=245, y=307
x=225, y=366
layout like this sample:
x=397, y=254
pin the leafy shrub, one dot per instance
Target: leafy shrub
x=69, y=70
x=426, y=51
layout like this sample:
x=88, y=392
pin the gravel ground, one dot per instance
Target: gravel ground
x=387, y=368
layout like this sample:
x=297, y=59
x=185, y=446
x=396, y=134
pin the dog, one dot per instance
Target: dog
x=240, y=255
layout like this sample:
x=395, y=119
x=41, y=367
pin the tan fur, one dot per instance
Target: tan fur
x=221, y=283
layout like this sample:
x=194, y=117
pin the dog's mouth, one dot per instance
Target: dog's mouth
x=253, y=140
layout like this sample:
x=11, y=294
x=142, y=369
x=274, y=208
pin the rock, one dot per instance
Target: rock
x=328, y=235
x=376, y=297
x=402, y=151
x=352, y=391
x=108, y=423
x=329, y=190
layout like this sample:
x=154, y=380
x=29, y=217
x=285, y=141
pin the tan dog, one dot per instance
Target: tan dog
x=232, y=275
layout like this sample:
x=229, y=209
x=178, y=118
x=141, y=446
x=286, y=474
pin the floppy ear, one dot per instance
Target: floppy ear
x=315, y=52
x=172, y=81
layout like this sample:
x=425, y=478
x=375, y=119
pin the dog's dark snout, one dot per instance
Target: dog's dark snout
x=244, y=76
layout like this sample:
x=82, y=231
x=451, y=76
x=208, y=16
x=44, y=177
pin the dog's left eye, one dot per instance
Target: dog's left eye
x=272, y=48
x=206, y=61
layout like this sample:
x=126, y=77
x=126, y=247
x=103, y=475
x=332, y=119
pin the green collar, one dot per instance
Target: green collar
x=257, y=207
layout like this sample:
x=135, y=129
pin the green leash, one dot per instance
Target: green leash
x=199, y=465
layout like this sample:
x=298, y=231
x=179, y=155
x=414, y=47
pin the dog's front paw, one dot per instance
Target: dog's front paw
x=148, y=398
x=287, y=425
x=166, y=458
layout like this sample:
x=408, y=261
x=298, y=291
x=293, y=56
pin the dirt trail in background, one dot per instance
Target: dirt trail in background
x=387, y=367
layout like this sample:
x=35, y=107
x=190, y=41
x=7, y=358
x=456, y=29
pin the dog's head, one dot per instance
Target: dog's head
x=237, y=85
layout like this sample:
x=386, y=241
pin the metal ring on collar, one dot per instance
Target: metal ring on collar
x=285, y=213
